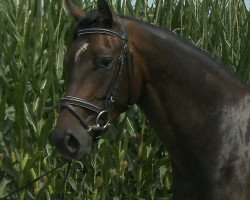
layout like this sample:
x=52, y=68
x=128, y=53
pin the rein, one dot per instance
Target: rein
x=27, y=185
x=103, y=114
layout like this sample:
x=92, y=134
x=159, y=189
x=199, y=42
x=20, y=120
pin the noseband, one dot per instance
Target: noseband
x=103, y=114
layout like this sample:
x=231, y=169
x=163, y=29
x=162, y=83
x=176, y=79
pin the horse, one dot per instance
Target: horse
x=198, y=109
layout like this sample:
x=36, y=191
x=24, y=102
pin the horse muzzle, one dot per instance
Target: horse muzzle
x=72, y=143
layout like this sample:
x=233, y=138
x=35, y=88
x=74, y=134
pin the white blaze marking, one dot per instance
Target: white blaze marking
x=82, y=49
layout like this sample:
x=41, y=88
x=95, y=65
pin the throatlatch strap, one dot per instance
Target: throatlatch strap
x=131, y=76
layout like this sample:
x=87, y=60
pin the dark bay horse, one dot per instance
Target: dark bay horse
x=199, y=111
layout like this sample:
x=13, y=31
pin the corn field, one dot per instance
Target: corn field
x=128, y=162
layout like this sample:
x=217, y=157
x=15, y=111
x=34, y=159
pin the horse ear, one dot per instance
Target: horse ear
x=76, y=13
x=106, y=15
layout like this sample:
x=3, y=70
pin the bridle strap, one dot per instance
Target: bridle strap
x=123, y=57
x=81, y=103
x=131, y=76
x=102, y=31
x=74, y=111
x=68, y=102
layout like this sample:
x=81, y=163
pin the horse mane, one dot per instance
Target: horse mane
x=164, y=33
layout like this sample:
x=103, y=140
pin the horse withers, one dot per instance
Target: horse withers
x=198, y=109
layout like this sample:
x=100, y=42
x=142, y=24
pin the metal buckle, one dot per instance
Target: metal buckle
x=101, y=116
x=89, y=129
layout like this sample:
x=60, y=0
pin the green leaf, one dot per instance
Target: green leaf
x=3, y=185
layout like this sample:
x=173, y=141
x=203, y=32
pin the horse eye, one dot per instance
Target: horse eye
x=106, y=62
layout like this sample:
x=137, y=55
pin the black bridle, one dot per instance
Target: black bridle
x=102, y=121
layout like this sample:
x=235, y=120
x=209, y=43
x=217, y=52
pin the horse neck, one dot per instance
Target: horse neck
x=194, y=105
x=182, y=86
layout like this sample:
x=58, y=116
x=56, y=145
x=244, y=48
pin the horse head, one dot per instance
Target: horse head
x=102, y=80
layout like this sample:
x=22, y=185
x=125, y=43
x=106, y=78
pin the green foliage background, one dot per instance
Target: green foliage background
x=129, y=161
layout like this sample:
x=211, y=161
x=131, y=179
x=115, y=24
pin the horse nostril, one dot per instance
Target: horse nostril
x=71, y=144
